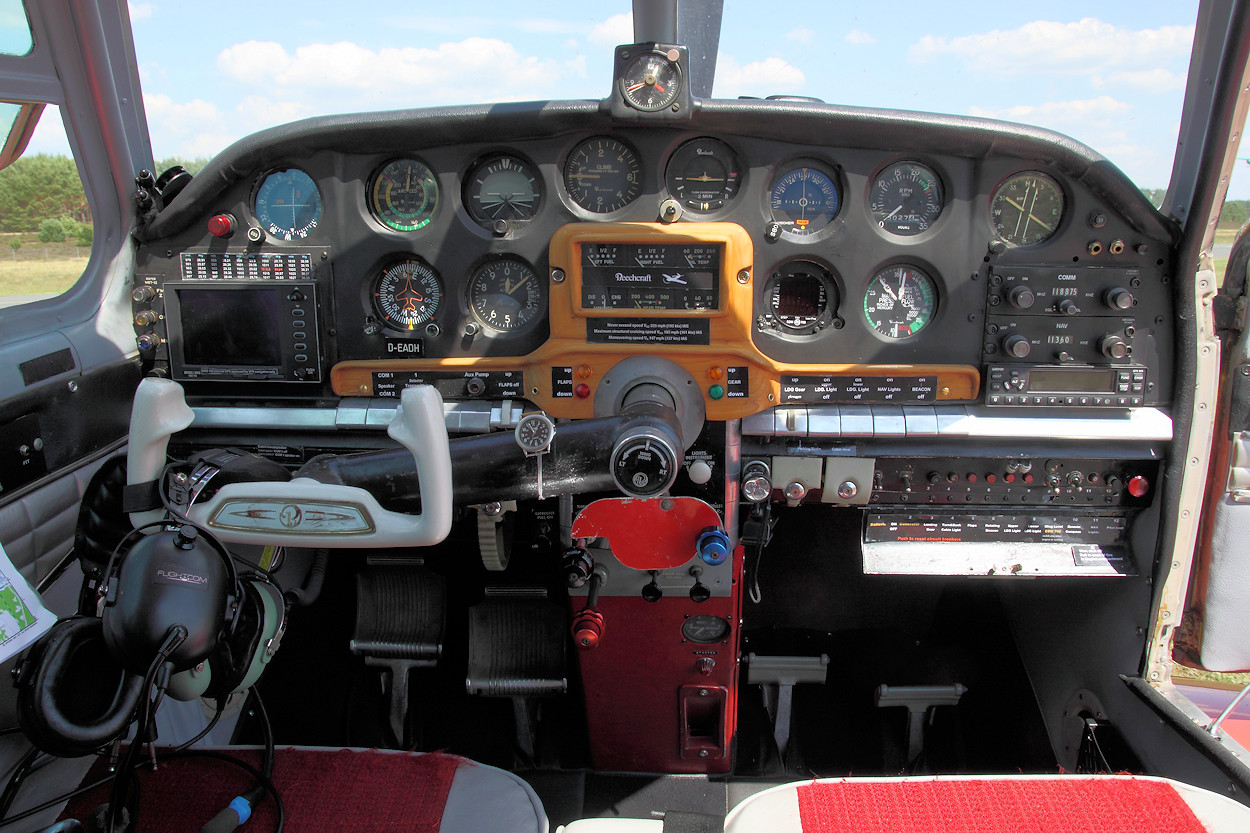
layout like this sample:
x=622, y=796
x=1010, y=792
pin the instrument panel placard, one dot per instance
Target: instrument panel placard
x=660, y=276
x=880, y=389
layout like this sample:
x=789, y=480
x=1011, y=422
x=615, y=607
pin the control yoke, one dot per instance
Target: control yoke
x=303, y=512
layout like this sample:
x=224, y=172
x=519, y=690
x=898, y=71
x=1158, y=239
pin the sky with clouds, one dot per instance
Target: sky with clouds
x=1110, y=74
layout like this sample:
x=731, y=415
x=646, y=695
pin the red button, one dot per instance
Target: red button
x=972, y=478
x=1028, y=478
x=1009, y=477
x=221, y=225
x=581, y=391
x=990, y=478
x=1138, y=486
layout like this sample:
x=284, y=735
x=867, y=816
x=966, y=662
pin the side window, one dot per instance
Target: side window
x=15, y=37
x=46, y=231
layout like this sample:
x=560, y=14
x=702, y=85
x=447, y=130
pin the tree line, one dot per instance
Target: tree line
x=40, y=192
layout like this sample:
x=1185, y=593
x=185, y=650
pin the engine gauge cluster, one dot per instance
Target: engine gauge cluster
x=900, y=301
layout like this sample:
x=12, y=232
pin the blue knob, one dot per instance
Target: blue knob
x=713, y=546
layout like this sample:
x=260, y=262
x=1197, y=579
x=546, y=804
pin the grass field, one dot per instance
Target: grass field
x=39, y=268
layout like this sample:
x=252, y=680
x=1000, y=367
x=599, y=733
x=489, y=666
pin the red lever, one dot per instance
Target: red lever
x=588, y=628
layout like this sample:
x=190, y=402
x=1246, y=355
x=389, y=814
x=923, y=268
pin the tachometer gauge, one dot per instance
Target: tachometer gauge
x=404, y=194
x=288, y=204
x=506, y=295
x=906, y=198
x=651, y=82
x=804, y=200
x=503, y=188
x=900, y=301
x=802, y=297
x=603, y=175
x=406, y=294
x=1026, y=209
x=703, y=175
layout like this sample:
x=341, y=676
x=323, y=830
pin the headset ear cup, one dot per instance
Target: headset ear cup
x=65, y=703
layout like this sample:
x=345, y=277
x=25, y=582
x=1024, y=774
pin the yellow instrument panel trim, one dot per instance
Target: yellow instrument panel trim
x=728, y=333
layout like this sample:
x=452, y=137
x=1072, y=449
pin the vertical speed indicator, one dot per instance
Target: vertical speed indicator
x=900, y=301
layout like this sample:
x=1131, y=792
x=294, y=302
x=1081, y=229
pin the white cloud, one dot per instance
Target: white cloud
x=771, y=76
x=802, y=34
x=346, y=76
x=548, y=26
x=141, y=11
x=617, y=29
x=1058, y=112
x=258, y=112
x=859, y=37
x=1087, y=46
x=185, y=128
x=1154, y=80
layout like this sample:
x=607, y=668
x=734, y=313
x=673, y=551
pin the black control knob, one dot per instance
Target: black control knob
x=142, y=294
x=934, y=478
x=1068, y=307
x=1113, y=347
x=1119, y=298
x=651, y=592
x=1017, y=345
x=578, y=565
x=644, y=464
x=1021, y=297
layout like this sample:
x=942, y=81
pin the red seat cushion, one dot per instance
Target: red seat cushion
x=1055, y=805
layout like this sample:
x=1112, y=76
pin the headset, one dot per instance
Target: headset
x=81, y=684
